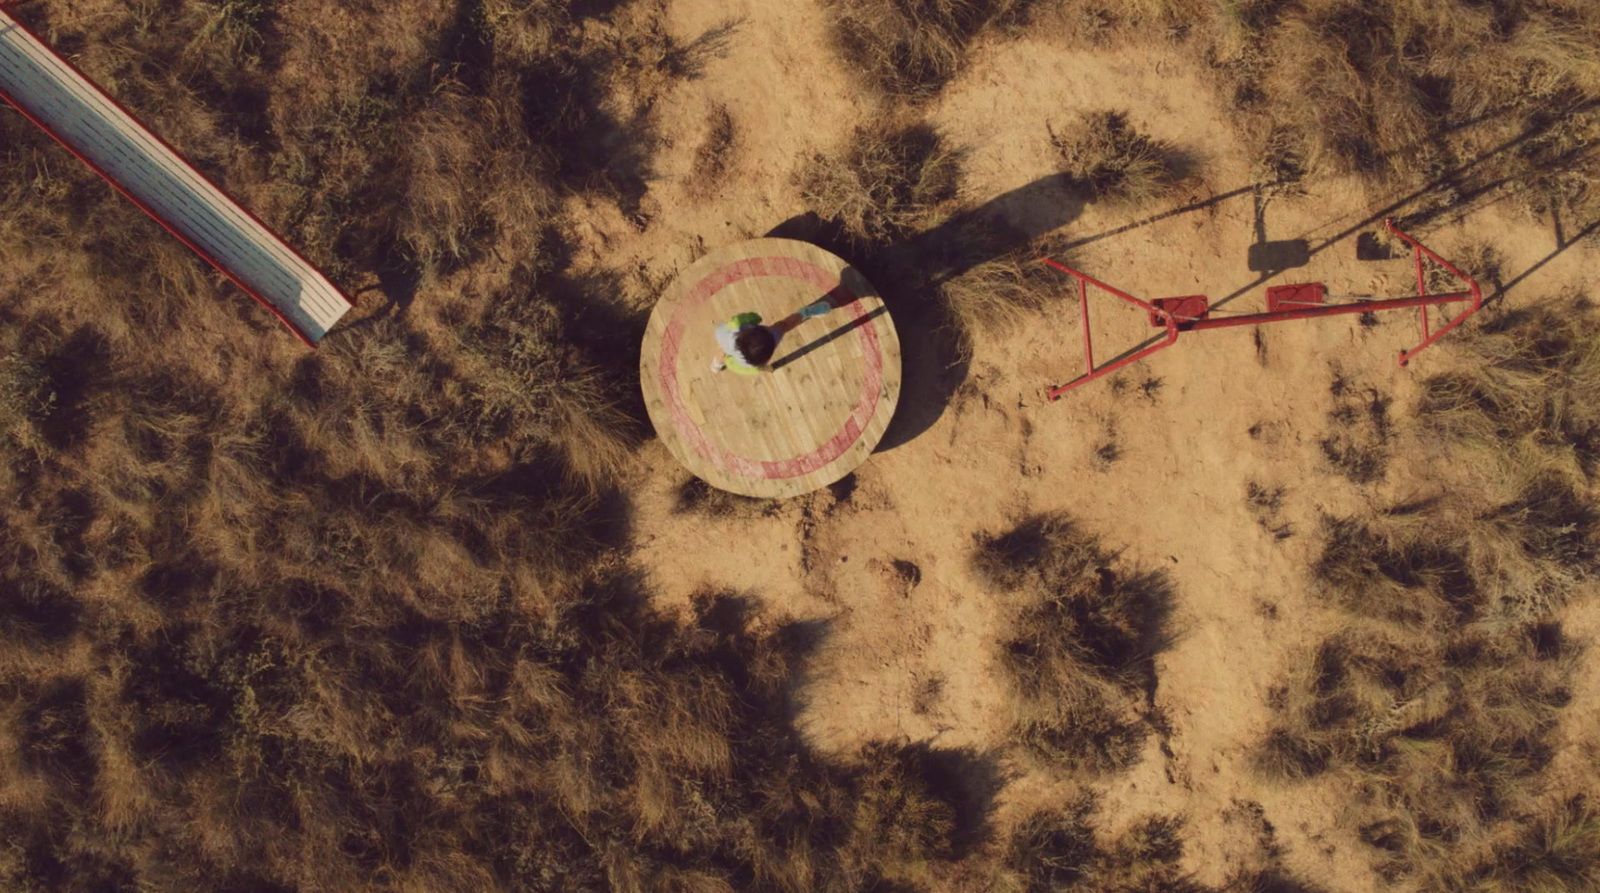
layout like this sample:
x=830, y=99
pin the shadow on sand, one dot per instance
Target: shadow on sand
x=908, y=273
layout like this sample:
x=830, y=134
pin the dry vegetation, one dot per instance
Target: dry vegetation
x=362, y=618
x=1385, y=90
x=911, y=48
x=359, y=618
x=887, y=185
x=894, y=194
x=1002, y=295
x=1080, y=658
x=1442, y=697
x=1113, y=163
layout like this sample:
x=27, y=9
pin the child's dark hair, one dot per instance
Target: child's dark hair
x=756, y=344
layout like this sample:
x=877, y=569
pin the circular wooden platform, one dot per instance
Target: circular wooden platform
x=824, y=405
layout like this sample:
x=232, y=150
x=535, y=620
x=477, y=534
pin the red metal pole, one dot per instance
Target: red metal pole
x=1477, y=293
x=1088, y=343
x=1084, y=281
x=1422, y=302
x=1172, y=336
x=1224, y=322
x=1422, y=289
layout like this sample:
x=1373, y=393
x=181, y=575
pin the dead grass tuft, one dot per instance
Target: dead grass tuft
x=1057, y=850
x=698, y=497
x=531, y=386
x=1115, y=164
x=1441, y=698
x=912, y=48
x=1529, y=378
x=27, y=398
x=1561, y=851
x=1081, y=649
x=1357, y=444
x=717, y=153
x=886, y=184
x=1001, y=296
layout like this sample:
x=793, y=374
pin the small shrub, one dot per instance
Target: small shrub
x=886, y=184
x=531, y=386
x=1054, y=848
x=27, y=398
x=1001, y=296
x=1530, y=375
x=1056, y=851
x=1081, y=647
x=1560, y=852
x=1399, y=568
x=911, y=48
x=1358, y=440
x=521, y=31
x=716, y=154
x=232, y=27
x=906, y=820
x=1115, y=164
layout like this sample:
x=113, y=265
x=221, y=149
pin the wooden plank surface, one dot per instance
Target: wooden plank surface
x=820, y=410
x=88, y=122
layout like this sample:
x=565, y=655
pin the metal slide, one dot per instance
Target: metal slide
x=61, y=100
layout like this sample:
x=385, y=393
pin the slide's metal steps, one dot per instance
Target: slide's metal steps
x=61, y=100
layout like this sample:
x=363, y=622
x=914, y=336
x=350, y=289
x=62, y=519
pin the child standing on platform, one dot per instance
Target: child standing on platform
x=748, y=346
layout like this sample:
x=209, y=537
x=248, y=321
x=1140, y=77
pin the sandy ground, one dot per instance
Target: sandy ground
x=1226, y=409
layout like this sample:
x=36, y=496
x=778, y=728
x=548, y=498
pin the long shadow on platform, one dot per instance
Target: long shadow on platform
x=827, y=339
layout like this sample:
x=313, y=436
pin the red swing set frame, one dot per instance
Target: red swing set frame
x=1285, y=302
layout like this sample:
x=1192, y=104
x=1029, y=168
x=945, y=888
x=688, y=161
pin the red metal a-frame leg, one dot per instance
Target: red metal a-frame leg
x=1159, y=315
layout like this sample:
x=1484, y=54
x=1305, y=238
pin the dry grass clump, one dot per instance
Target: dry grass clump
x=522, y=31
x=1114, y=163
x=1059, y=851
x=1382, y=89
x=1445, y=734
x=886, y=184
x=1440, y=699
x=1559, y=853
x=1002, y=295
x=912, y=48
x=1406, y=567
x=1530, y=380
x=695, y=496
x=26, y=400
x=595, y=745
x=716, y=154
x=1056, y=851
x=1357, y=443
x=1081, y=650
x=532, y=386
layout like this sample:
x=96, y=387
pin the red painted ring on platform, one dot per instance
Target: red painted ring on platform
x=871, y=384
